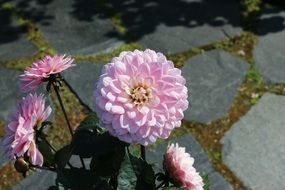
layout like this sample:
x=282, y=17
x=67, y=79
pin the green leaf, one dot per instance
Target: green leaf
x=206, y=182
x=46, y=151
x=63, y=155
x=126, y=177
x=135, y=173
x=91, y=122
x=144, y=172
x=76, y=178
x=108, y=165
x=87, y=143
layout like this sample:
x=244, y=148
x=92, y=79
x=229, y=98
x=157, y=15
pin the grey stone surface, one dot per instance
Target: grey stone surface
x=254, y=148
x=71, y=26
x=202, y=163
x=269, y=53
x=212, y=79
x=173, y=26
x=3, y=158
x=39, y=180
x=10, y=92
x=82, y=79
x=13, y=42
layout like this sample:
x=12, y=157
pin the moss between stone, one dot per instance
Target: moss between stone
x=59, y=133
x=250, y=10
x=106, y=57
x=33, y=34
x=241, y=46
x=2, y=125
x=9, y=177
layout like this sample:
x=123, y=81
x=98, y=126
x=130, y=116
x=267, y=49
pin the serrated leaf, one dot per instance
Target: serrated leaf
x=108, y=165
x=62, y=156
x=144, y=172
x=126, y=177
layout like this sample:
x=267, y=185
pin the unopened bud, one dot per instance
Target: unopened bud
x=21, y=165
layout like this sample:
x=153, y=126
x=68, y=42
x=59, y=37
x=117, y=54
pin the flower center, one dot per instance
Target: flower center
x=140, y=94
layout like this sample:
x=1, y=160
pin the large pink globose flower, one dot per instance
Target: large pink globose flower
x=19, y=138
x=41, y=70
x=140, y=97
x=179, y=166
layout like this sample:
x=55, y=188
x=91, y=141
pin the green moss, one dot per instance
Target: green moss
x=179, y=59
x=249, y=12
x=21, y=64
x=2, y=125
x=114, y=17
x=250, y=7
x=6, y=6
x=254, y=76
x=106, y=57
x=240, y=46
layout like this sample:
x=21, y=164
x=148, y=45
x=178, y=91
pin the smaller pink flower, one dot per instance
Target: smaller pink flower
x=41, y=70
x=179, y=166
x=19, y=138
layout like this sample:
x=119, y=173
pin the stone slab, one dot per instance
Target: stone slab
x=3, y=158
x=10, y=92
x=71, y=26
x=212, y=79
x=269, y=53
x=13, y=42
x=202, y=163
x=82, y=79
x=39, y=180
x=173, y=26
x=254, y=148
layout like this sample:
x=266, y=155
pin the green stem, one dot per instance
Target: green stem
x=143, y=152
x=66, y=118
x=62, y=108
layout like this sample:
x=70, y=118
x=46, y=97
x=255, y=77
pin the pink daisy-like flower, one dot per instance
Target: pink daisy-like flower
x=179, y=166
x=41, y=70
x=140, y=97
x=19, y=135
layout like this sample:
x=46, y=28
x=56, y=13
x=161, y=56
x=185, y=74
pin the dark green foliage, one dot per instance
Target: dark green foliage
x=46, y=151
x=63, y=155
x=76, y=178
x=135, y=173
x=108, y=165
x=91, y=122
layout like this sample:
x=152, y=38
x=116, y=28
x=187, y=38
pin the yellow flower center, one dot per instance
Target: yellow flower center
x=140, y=94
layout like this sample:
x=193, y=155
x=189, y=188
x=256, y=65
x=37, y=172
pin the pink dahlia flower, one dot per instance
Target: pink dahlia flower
x=19, y=135
x=140, y=97
x=41, y=70
x=179, y=166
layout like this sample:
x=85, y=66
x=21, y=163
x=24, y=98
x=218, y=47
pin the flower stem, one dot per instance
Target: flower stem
x=66, y=119
x=62, y=108
x=143, y=152
x=43, y=167
x=82, y=162
x=160, y=185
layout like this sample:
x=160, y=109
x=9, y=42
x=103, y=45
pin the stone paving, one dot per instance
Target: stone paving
x=252, y=153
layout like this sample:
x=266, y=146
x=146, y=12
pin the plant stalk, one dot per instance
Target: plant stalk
x=66, y=118
x=143, y=152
